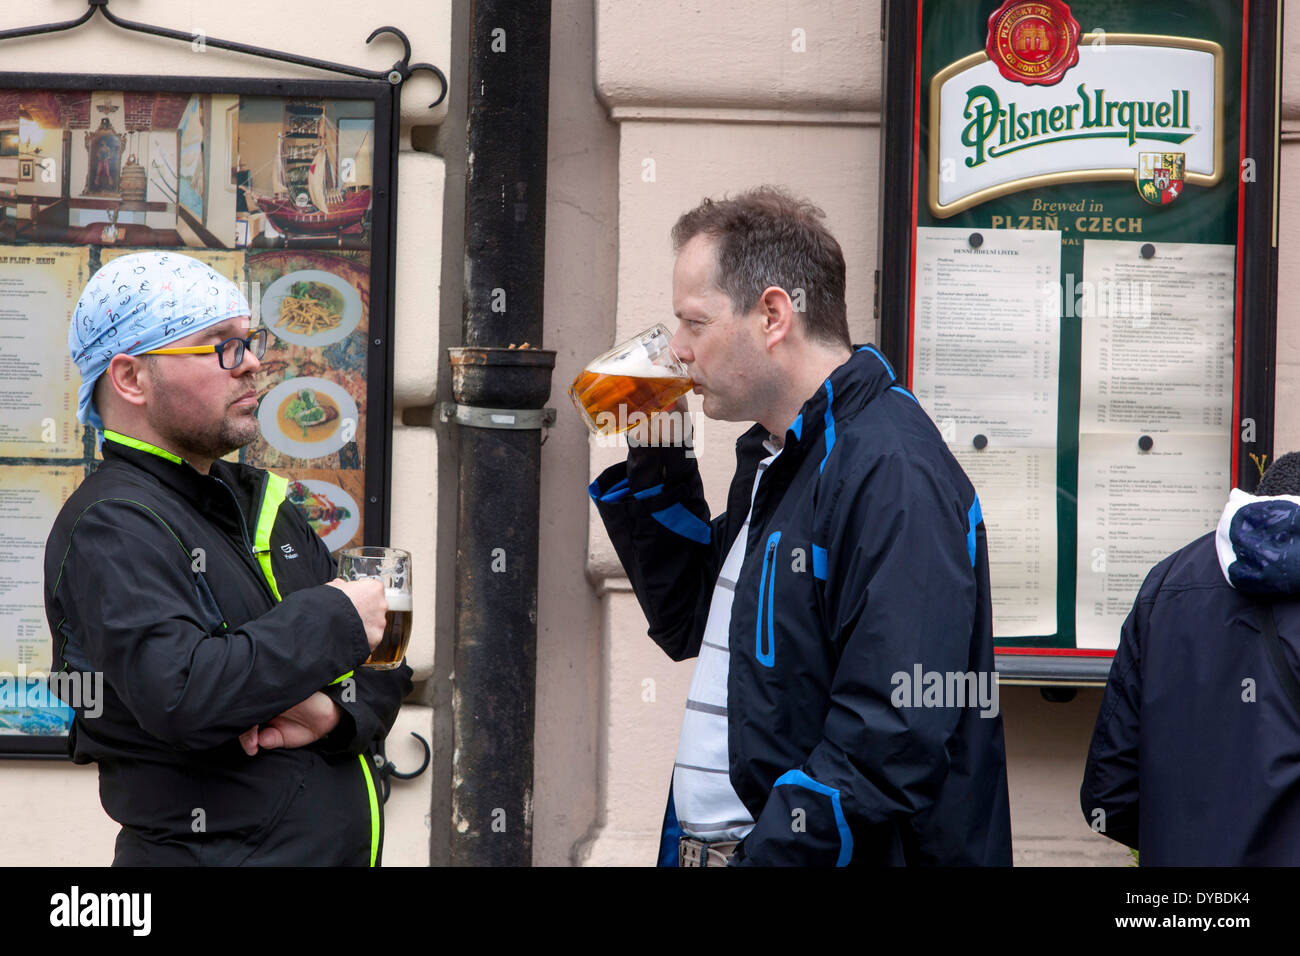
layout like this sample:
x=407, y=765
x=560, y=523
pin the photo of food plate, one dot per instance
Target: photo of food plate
x=332, y=512
x=311, y=307
x=308, y=417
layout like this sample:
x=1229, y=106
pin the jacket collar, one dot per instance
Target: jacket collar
x=170, y=469
x=846, y=391
x=202, y=491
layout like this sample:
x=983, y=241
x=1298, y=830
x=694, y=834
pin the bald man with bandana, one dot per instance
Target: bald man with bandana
x=238, y=727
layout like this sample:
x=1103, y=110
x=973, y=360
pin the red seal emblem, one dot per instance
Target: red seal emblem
x=1033, y=41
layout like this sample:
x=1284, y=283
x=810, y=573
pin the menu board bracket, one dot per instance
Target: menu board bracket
x=397, y=74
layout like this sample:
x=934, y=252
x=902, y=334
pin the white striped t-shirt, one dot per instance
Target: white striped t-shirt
x=706, y=803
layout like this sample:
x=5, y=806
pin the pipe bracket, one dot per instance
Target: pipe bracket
x=516, y=419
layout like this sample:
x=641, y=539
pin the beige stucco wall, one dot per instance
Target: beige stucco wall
x=581, y=259
x=38, y=798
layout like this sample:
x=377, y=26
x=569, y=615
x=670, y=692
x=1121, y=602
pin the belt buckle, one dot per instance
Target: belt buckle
x=691, y=852
x=697, y=853
x=717, y=854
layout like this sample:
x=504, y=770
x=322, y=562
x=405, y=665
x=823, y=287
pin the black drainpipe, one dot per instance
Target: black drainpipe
x=499, y=393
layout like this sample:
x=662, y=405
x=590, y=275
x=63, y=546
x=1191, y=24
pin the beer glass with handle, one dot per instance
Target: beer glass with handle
x=641, y=375
x=393, y=567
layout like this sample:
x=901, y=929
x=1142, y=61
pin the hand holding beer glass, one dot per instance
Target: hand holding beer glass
x=626, y=386
x=392, y=566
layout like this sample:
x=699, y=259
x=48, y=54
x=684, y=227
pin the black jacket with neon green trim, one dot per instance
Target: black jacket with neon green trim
x=200, y=600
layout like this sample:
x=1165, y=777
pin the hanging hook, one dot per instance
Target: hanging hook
x=404, y=68
x=386, y=768
x=442, y=79
x=400, y=66
x=423, y=766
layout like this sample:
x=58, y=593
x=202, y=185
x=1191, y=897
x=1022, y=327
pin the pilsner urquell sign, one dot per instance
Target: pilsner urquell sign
x=1044, y=104
x=1083, y=304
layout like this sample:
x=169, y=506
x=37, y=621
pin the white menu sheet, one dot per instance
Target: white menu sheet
x=1017, y=491
x=1135, y=509
x=986, y=351
x=30, y=500
x=39, y=287
x=1156, y=367
x=1156, y=353
x=987, y=334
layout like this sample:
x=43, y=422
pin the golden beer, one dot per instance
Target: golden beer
x=392, y=566
x=397, y=632
x=608, y=400
x=640, y=376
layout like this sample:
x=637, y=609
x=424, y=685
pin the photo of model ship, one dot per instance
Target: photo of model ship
x=314, y=180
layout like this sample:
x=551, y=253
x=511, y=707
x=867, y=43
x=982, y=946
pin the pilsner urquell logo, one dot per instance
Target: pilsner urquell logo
x=1043, y=105
x=994, y=130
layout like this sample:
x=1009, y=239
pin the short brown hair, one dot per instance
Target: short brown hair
x=767, y=237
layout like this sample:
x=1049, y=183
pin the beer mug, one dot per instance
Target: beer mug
x=393, y=567
x=640, y=375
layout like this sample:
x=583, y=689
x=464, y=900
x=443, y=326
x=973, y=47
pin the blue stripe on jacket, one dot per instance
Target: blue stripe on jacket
x=616, y=491
x=884, y=361
x=679, y=520
x=820, y=559
x=973, y=518
x=830, y=426
x=800, y=779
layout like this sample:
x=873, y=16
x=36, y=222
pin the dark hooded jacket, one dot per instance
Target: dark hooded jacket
x=199, y=599
x=1195, y=759
x=865, y=557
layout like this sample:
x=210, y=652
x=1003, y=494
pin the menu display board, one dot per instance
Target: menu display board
x=1084, y=300
x=281, y=187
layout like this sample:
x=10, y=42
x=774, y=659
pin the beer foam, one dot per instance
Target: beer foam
x=634, y=364
x=398, y=600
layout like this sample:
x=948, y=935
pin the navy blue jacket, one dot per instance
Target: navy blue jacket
x=1195, y=759
x=865, y=556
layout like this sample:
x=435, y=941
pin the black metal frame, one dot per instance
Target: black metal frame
x=381, y=88
x=1256, y=388
x=1257, y=345
x=898, y=99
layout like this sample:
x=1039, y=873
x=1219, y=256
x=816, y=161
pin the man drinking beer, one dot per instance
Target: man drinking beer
x=852, y=551
x=237, y=727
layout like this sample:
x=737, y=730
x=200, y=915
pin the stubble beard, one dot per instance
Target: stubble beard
x=213, y=441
